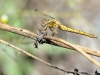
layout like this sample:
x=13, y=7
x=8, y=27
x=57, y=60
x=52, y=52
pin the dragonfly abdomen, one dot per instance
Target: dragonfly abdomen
x=64, y=28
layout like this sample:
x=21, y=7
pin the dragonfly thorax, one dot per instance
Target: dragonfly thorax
x=53, y=23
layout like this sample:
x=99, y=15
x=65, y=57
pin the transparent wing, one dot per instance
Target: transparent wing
x=60, y=34
x=40, y=14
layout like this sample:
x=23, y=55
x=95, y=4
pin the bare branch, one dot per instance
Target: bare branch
x=31, y=35
x=59, y=42
x=38, y=59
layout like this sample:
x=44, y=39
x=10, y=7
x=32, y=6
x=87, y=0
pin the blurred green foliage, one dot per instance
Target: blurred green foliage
x=13, y=63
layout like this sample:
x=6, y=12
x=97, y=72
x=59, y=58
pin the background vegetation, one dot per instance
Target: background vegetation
x=78, y=14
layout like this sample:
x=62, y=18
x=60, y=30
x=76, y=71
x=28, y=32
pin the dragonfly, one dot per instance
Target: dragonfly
x=54, y=25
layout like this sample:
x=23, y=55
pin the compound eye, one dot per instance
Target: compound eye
x=43, y=22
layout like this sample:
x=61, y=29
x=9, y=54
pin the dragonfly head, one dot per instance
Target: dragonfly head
x=44, y=22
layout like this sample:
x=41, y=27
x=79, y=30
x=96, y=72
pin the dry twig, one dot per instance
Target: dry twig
x=31, y=35
x=59, y=42
x=38, y=59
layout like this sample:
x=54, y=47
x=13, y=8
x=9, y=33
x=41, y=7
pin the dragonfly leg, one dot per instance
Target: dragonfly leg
x=45, y=28
x=42, y=29
x=53, y=32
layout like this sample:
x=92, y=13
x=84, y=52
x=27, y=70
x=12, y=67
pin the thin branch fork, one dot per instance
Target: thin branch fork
x=31, y=35
x=79, y=50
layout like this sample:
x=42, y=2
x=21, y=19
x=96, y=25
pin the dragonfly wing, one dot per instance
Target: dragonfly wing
x=40, y=14
x=61, y=34
x=58, y=34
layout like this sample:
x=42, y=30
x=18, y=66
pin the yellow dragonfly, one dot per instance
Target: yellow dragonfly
x=53, y=25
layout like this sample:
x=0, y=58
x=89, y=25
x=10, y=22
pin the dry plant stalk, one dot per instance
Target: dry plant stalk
x=62, y=43
x=40, y=60
x=77, y=49
x=31, y=35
